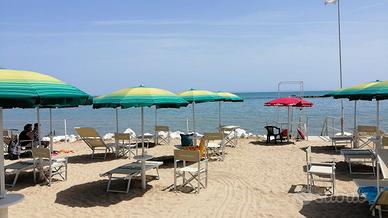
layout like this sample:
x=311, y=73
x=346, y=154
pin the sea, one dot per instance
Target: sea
x=251, y=115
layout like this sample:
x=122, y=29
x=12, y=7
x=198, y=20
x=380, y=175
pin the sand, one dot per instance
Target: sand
x=255, y=180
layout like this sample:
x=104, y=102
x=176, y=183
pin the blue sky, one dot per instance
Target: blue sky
x=250, y=45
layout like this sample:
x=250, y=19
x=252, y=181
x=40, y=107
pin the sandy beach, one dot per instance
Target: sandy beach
x=255, y=180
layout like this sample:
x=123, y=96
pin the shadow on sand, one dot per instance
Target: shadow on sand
x=336, y=206
x=263, y=143
x=94, y=194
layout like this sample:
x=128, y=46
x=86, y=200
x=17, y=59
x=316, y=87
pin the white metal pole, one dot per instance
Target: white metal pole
x=65, y=125
x=51, y=130
x=194, y=131
x=156, y=123
x=378, y=145
x=143, y=175
x=355, y=141
x=187, y=125
x=142, y=131
x=289, y=122
x=117, y=131
x=219, y=115
x=39, y=126
x=2, y=176
x=340, y=63
x=378, y=117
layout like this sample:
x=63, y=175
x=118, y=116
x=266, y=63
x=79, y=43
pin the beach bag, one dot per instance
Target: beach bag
x=186, y=140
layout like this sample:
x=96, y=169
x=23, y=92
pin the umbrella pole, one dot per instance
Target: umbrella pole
x=38, y=121
x=378, y=145
x=219, y=115
x=2, y=177
x=156, y=123
x=355, y=142
x=143, y=176
x=194, y=132
x=289, y=121
x=117, y=132
x=51, y=130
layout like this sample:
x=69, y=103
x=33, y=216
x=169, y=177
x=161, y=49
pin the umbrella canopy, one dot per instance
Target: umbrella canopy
x=26, y=89
x=199, y=96
x=289, y=101
x=365, y=91
x=227, y=96
x=139, y=97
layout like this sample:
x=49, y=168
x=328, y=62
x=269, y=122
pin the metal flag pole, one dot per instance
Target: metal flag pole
x=339, y=57
x=340, y=62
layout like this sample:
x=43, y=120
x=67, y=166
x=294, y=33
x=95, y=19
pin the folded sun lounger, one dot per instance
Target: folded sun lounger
x=128, y=171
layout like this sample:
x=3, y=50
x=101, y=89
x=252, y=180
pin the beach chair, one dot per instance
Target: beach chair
x=16, y=168
x=160, y=138
x=320, y=172
x=276, y=133
x=47, y=166
x=215, y=145
x=368, y=187
x=127, y=172
x=127, y=145
x=380, y=202
x=95, y=142
x=363, y=135
x=359, y=156
x=196, y=173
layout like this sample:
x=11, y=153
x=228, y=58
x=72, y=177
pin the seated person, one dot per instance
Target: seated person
x=26, y=137
x=35, y=132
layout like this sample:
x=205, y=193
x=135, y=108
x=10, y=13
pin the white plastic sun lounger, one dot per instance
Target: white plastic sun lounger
x=127, y=171
x=356, y=156
x=16, y=168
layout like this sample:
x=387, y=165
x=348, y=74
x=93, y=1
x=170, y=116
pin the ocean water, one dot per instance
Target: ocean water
x=251, y=115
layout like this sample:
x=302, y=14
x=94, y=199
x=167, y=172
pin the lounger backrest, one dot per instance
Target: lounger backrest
x=41, y=153
x=213, y=136
x=162, y=128
x=191, y=156
x=123, y=136
x=366, y=130
x=382, y=198
x=90, y=136
x=384, y=141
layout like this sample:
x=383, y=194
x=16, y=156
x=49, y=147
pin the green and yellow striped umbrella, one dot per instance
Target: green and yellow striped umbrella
x=364, y=91
x=227, y=96
x=26, y=89
x=199, y=96
x=139, y=97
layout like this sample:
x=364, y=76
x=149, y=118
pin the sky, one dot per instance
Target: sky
x=239, y=46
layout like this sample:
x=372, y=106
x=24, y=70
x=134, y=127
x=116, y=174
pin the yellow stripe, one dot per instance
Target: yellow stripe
x=142, y=91
x=7, y=75
x=196, y=93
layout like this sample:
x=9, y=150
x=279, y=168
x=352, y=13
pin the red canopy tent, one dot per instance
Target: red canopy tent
x=289, y=102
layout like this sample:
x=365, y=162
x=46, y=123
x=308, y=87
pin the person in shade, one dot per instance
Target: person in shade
x=26, y=137
x=35, y=132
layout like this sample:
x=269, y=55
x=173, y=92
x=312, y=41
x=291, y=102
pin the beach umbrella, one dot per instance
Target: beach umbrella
x=377, y=90
x=26, y=89
x=195, y=96
x=226, y=97
x=289, y=102
x=140, y=97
